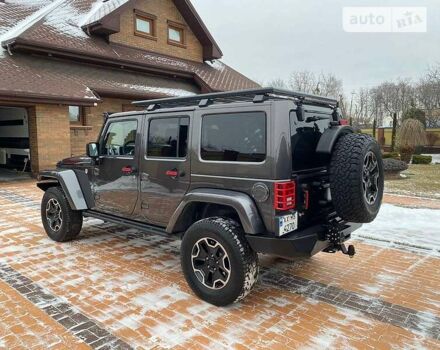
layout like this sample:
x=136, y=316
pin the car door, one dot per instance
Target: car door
x=116, y=173
x=165, y=166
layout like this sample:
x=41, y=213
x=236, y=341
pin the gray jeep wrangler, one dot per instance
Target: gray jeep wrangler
x=233, y=174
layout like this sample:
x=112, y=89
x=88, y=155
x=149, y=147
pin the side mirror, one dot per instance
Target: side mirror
x=92, y=150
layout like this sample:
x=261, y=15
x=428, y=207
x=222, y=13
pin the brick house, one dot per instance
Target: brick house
x=64, y=63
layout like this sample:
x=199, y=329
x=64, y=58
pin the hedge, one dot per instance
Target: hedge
x=418, y=159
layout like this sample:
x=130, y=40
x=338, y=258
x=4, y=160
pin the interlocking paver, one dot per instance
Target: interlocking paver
x=125, y=288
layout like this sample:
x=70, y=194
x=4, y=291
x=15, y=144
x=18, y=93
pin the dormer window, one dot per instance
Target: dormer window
x=176, y=34
x=145, y=25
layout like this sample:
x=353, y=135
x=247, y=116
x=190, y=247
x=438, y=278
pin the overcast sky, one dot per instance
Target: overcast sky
x=267, y=39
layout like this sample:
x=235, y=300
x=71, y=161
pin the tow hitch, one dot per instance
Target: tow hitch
x=337, y=238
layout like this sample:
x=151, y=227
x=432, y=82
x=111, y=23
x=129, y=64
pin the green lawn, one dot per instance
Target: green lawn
x=419, y=180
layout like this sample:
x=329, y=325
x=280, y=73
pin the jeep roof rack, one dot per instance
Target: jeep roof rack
x=252, y=95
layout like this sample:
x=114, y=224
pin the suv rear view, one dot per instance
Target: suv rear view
x=234, y=174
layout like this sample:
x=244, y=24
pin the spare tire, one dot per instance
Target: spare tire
x=356, y=178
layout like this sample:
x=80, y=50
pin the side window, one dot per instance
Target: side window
x=168, y=137
x=234, y=137
x=120, y=139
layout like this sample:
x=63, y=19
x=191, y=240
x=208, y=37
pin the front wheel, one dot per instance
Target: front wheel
x=61, y=223
x=217, y=261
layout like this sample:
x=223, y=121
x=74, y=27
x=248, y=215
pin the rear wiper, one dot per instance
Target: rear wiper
x=315, y=118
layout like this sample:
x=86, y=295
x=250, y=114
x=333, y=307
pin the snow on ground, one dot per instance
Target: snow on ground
x=417, y=228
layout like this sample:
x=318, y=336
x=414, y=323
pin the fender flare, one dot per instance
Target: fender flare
x=330, y=136
x=75, y=184
x=242, y=203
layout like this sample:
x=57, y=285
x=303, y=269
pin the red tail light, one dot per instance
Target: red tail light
x=343, y=121
x=284, y=195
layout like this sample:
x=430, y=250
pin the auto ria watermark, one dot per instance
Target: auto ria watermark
x=384, y=19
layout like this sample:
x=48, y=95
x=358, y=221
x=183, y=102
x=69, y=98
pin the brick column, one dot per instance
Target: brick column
x=49, y=133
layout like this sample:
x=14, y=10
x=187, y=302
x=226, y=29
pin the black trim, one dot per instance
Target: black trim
x=330, y=136
x=127, y=222
x=239, y=96
x=14, y=142
x=302, y=243
x=11, y=122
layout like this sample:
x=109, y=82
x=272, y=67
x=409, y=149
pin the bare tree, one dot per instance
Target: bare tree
x=329, y=85
x=277, y=83
x=303, y=81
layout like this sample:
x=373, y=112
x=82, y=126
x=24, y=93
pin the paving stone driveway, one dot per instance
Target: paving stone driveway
x=118, y=288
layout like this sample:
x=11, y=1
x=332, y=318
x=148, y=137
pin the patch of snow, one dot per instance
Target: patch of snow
x=217, y=65
x=29, y=3
x=101, y=9
x=161, y=90
x=159, y=298
x=417, y=228
x=166, y=61
x=65, y=20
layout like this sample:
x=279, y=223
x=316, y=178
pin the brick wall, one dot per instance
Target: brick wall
x=80, y=136
x=49, y=135
x=164, y=10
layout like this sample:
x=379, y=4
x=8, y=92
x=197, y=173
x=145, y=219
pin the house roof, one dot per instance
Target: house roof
x=57, y=27
x=74, y=83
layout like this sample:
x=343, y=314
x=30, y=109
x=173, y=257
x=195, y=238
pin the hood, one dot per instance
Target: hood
x=75, y=162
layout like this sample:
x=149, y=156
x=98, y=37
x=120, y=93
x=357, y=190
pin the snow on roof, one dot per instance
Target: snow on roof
x=64, y=19
x=101, y=9
x=29, y=21
x=217, y=65
x=160, y=90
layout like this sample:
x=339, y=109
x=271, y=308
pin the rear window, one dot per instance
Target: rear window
x=168, y=137
x=304, y=136
x=234, y=137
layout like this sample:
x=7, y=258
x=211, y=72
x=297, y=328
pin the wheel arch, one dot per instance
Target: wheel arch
x=203, y=203
x=328, y=139
x=74, y=183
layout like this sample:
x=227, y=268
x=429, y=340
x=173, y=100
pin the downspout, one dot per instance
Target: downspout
x=8, y=48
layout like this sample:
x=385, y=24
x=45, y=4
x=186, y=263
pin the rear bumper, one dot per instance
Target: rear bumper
x=303, y=243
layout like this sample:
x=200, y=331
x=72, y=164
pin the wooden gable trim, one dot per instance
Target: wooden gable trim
x=110, y=24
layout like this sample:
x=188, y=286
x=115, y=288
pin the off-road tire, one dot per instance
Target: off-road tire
x=346, y=174
x=71, y=219
x=243, y=260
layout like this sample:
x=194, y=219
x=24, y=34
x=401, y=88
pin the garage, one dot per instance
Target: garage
x=14, y=141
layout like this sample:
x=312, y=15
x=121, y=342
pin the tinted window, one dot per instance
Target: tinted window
x=120, y=139
x=235, y=137
x=304, y=140
x=168, y=138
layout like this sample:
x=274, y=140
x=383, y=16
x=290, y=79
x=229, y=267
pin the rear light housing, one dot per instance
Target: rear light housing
x=284, y=195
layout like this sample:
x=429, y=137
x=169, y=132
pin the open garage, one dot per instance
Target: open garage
x=14, y=141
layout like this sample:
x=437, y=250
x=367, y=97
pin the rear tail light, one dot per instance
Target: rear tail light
x=284, y=195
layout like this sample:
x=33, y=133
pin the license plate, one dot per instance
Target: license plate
x=287, y=223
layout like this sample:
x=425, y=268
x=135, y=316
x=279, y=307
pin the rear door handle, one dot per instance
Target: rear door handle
x=172, y=173
x=128, y=170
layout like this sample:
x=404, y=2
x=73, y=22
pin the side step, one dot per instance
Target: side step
x=156, y=230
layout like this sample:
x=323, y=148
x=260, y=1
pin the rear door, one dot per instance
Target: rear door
x=165, y=166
